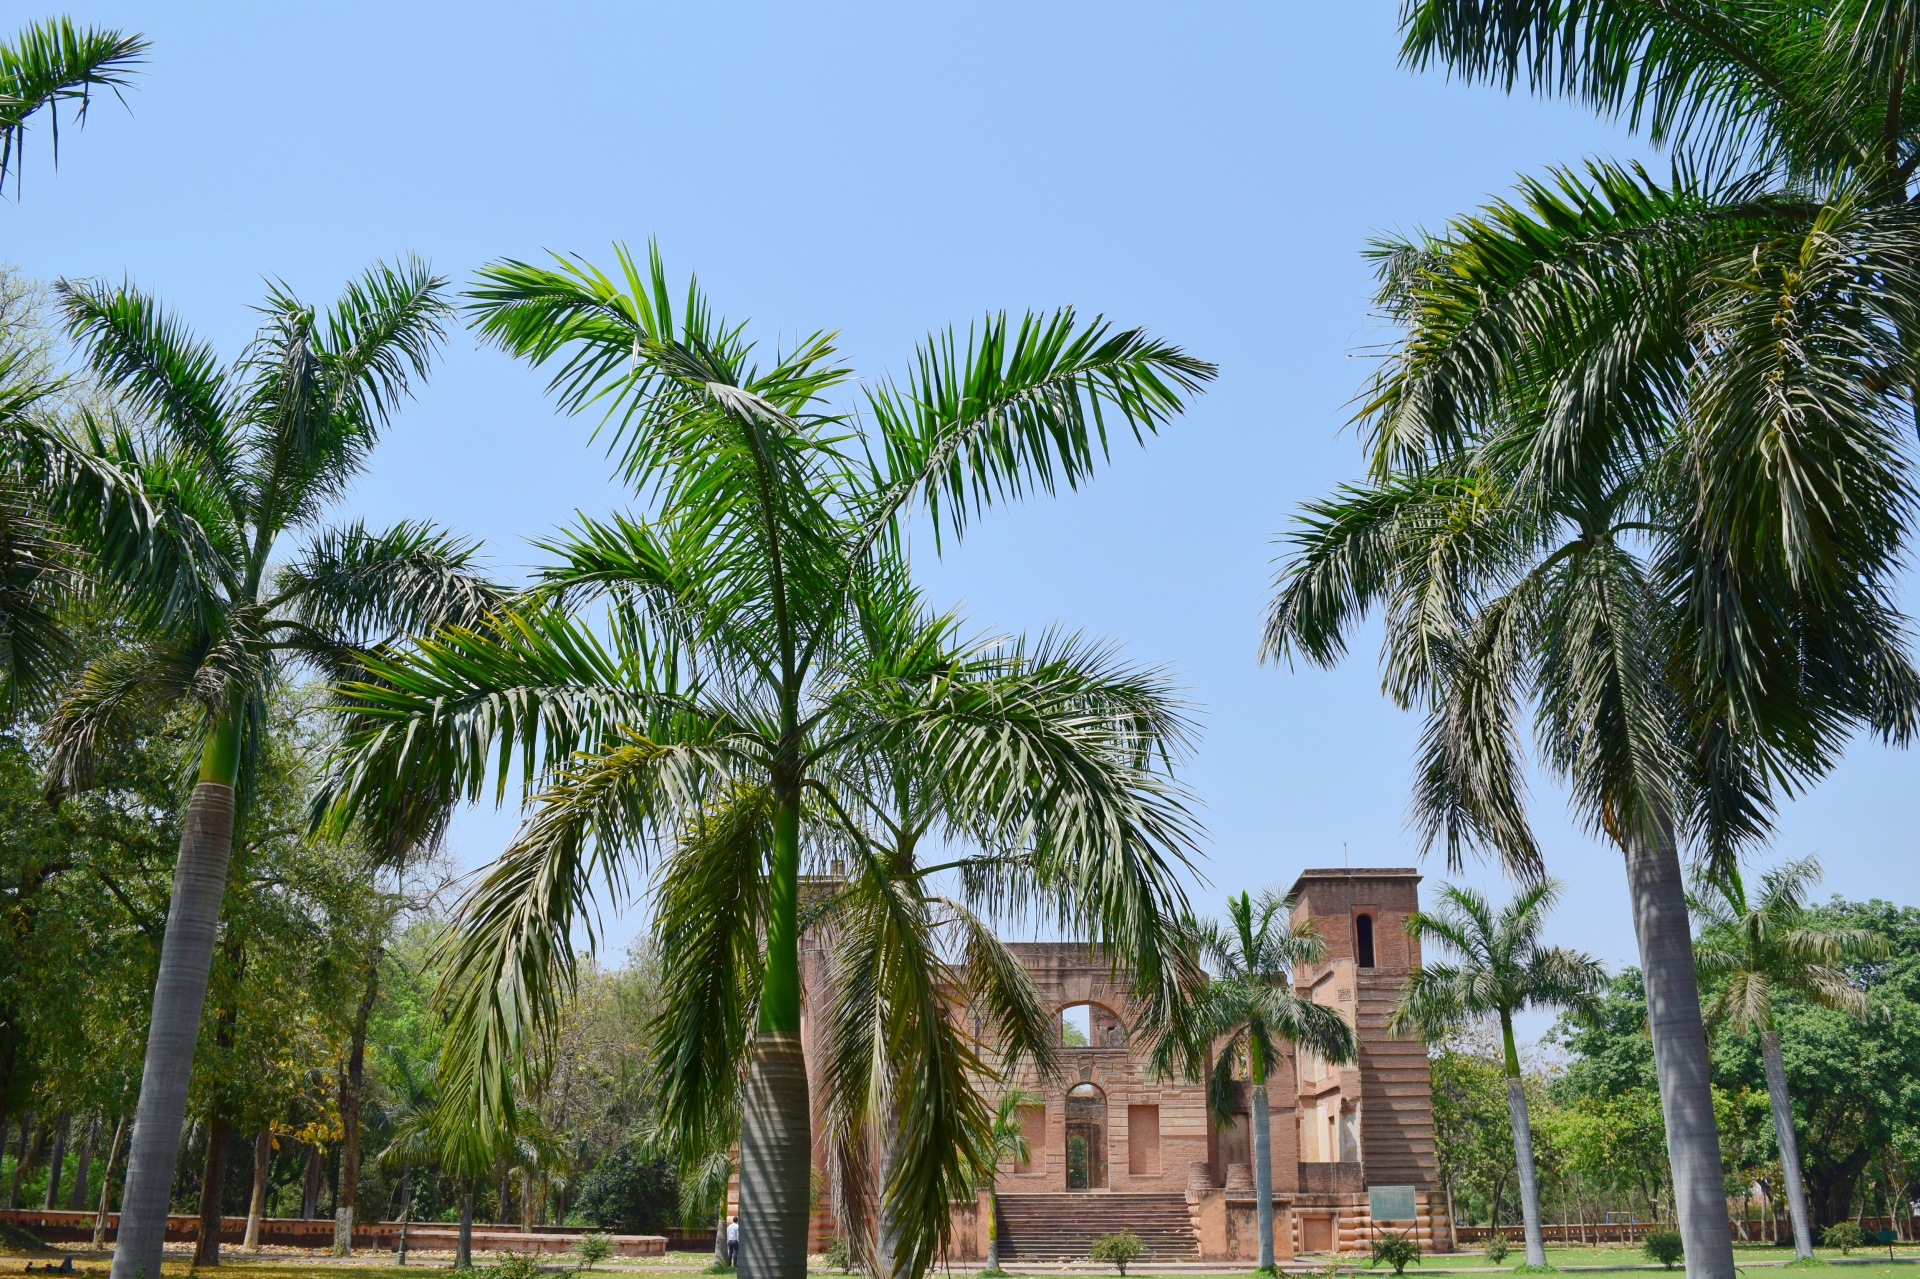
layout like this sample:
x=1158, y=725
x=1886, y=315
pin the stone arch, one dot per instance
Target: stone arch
x=1100, y=1027
x=1087, y=1127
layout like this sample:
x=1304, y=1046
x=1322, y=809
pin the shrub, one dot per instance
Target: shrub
x=1119, y=1249
x=1844, y=1235
x=1663, y=1246
x=838, y=1255
x=1497, y=1247
x=592, y=1249
x=630, y=1193
x=1396, y=1249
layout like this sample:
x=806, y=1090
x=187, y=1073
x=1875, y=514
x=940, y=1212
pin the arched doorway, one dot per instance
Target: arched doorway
x=1086, y=1137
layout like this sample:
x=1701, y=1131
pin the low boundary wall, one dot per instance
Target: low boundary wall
x=56, y=1226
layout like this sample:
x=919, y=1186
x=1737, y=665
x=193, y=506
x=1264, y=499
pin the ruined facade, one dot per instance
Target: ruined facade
x=1113, y=1147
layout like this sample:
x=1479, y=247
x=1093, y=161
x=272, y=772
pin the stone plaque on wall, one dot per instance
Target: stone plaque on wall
x=1391, y=1203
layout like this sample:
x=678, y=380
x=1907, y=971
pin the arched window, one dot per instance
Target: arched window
x=1363, y=939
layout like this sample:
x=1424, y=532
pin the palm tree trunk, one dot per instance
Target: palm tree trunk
x=106, y=1184
x=257, y=1202
x=463, y=1251
x=1679, y=1052
x=887, y=1223
x=720, y=1239
x=1263, y=1171
x=1789, y=1143
x=1523, y=1149
x=776, y=1147
x=186, y=955
x=212, y=1181
x=993, y=1232
x=776, y=1126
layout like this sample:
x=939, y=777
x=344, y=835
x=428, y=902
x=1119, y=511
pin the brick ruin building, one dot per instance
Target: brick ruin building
x=1113, y=1147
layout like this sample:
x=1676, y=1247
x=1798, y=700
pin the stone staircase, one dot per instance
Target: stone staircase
x=1061, y=1227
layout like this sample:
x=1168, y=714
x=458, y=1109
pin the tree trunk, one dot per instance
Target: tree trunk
x=310, y=1187
x=406, y=1206
x=1524, y=1172
x=776, y=1134
x=29, y=1151
x=720, y=1240
x=1679, y=1053
x=257, y=1202
x=56, y=1164
x=106, y=1184
x=352, y=1091
x=212, y=1182
x=1789, y=1143
x=186, y=955
x=776, y=1160
x=993, y=1231
x=83, y=1166
x=1262, y=1170
x=463, y=1251
x=526, y=1201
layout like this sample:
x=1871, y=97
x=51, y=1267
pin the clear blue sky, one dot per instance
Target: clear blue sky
x=1210, y=172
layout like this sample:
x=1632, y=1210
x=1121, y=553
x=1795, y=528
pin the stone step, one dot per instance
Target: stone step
x=1062, y=1227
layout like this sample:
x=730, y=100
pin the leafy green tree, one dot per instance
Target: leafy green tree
x=1750, y=952
x=1499, y=969
x=1248, y=1011
x=229, y=461
x=727, y=691
x=55, y=62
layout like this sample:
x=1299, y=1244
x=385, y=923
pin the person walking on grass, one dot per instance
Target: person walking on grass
x=733, y=1242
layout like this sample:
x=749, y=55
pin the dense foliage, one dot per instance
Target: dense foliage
x=1598, y=1140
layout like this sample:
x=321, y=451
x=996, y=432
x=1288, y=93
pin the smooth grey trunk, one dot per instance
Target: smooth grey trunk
x=83, y=1166
x=1263, y=1174
x=463, y=1251
x=186, y=955
x=310, y=1187
x=257, y=1204
x=1679, y=1053
x=993, y=1229
x=776, y=1160
x=106, y=1184
x=720, y=1240
x=1789, y=1144
x=1523, y=1164
x=56, y=1164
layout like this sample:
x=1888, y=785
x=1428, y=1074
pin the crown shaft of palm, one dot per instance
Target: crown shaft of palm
x=180, y=539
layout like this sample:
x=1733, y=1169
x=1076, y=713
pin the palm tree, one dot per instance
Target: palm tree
x=1248, y=1011
x=1501, y=969
x=53, y=62
x=721, y=696
x=1638, y=457
x=1749, y=953
x=1006, y=1139
x=230, y=460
